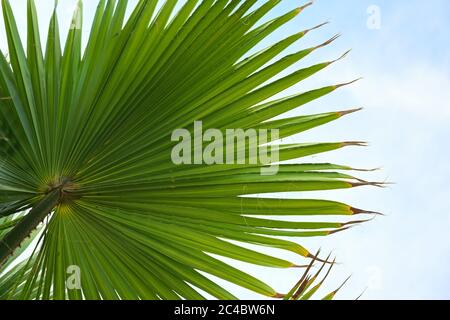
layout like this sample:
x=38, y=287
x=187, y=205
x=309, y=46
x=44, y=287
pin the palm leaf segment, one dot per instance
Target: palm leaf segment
x=86, y=150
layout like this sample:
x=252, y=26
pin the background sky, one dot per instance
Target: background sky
x=404, y=57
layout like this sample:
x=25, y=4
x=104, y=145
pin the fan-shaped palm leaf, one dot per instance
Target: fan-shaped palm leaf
x=86, y=152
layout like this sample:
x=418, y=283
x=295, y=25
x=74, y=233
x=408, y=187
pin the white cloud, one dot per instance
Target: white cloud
x=421, y=90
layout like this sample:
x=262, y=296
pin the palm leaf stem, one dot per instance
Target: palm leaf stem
x=30, y=222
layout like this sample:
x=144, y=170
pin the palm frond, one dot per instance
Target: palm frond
x=85, y=139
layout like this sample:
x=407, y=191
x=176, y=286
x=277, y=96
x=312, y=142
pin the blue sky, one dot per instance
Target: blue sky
x=406, y=95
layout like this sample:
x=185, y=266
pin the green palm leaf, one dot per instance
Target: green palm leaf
x=85, y=141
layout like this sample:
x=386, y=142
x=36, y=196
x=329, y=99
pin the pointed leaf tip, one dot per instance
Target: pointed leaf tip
x=373, y=184
x=300, y=9
x=326, y=43
x=353, y=223
x=366, y=170
x=357, y=211
x=348, y=83
x=347, y=112
x=362, y=293
x=343, y=284
x=296, y=266
x=344, y=55
x=317, y=27
x=355, y=143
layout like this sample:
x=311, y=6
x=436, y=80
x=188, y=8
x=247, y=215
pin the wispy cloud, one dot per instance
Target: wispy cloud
x=421, y=90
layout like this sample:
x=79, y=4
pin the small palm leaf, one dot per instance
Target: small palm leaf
x=85, y=139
